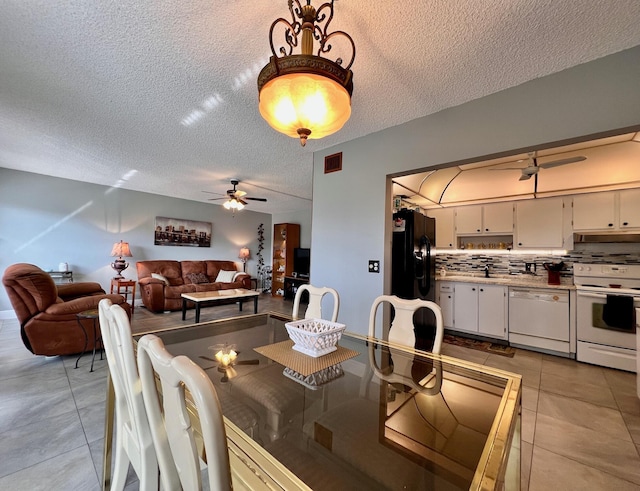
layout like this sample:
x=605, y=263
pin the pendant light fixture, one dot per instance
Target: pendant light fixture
x=306, y=95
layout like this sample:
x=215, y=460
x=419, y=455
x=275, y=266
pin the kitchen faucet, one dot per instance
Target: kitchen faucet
x=486, y=270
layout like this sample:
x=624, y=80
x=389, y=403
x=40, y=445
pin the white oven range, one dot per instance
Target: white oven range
x=607, y=296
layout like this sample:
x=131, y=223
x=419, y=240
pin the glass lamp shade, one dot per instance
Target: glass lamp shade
x=233, y=204
x=305, y=101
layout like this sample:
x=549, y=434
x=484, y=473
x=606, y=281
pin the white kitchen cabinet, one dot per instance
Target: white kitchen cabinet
x=594, y=211
x=446, y=302
x=492, y=311
x=539, y=223
x=480, y=309
x=465, y=307
x=445, y=231
x=629, y=208
x=498, y=218
x=469, y=220
x=617, y=210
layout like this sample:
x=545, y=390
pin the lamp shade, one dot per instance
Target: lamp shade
x=121, y=249
x=305, y=101
x=244, y=254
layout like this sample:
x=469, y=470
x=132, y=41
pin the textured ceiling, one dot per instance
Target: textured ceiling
x=161, y=96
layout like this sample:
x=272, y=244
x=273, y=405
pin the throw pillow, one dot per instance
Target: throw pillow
x=237, y=275
x=197, y=278
x=160, y=277
x=225, y=276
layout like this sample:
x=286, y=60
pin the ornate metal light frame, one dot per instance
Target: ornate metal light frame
x=306, y=95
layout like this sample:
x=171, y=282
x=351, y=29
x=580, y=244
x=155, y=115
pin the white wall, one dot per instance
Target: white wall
x=302, y=218
x=46, y=220
x=352, y=208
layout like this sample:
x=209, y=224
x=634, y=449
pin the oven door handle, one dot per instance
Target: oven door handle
x=600, y=296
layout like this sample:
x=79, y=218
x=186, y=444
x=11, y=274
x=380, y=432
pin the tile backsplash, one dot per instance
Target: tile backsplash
x=514, y=264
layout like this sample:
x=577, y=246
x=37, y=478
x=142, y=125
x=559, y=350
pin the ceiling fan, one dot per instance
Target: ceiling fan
x=236, y=199
x=533, y=168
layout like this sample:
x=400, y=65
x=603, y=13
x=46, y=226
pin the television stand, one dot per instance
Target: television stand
x=291, y=285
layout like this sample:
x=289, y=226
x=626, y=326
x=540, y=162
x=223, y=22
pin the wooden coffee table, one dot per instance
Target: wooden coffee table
x=205, y=299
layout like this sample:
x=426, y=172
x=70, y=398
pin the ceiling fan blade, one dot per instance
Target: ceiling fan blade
x=216, y=199
x=240, y=200
x=525, y=177
x=256, y=199
x=557, y=163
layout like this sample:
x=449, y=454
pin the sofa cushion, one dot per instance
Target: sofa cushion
x=225, y=276
x=197, y=278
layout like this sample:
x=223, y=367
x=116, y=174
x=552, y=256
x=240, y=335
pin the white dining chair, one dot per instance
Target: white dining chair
x=401, y=330
x=314, y=308
x=171, y=425
x=133, y=443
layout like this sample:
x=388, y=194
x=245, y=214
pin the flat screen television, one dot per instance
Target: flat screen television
x=301, y=261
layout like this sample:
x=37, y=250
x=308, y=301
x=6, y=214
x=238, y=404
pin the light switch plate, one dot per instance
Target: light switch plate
x=374, y=266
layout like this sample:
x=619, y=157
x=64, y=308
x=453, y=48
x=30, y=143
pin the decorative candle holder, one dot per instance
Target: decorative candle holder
x=225, y=354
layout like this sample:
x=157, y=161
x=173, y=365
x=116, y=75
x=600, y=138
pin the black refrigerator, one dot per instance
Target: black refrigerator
x=413, y=267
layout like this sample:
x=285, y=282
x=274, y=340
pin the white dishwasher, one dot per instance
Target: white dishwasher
x=539, y=318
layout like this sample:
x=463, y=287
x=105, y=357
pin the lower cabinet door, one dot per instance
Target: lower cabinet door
x=492, y=311
x=466, y=307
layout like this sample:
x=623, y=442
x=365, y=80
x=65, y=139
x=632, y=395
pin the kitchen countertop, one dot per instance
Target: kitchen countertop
x=529, y=281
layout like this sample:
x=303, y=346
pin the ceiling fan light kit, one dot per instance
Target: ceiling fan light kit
x=306, y=95
x=236, y=198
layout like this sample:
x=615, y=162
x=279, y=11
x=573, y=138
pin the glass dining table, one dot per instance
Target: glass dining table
x=368, y=416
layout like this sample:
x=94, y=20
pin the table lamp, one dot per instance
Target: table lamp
x=119, y=265
x=244, y=255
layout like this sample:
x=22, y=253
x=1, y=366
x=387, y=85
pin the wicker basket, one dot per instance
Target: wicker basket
x=315, y=337
x=317, y=379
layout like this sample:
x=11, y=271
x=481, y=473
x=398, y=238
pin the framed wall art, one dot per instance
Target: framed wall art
x=181, y=232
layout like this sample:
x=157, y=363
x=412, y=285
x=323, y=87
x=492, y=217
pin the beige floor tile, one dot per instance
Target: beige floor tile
x=528, y=425
x=633, y=425
x=25, y=446
x=550, y=471
x=627, y=399
x=574, y=371
x=581, y=390
x=530, y=398
x=619, y=378
x=71, y=470
x=606, y=420
x=591, y=448
x=526, y=455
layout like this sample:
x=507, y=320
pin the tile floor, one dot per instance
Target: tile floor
x=580, y=423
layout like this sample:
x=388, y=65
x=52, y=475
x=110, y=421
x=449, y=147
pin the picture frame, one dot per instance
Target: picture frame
x=182, y=232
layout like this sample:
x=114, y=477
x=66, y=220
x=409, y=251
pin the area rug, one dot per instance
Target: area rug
x=497, y=349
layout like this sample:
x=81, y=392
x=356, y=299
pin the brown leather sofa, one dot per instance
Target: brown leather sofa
x=173, y=278
x=47, y=312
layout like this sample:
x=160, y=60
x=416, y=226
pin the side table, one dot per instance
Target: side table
x=94, y=317
x=129, y=288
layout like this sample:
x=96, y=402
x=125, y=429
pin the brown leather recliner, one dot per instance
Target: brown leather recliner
x=47, y=312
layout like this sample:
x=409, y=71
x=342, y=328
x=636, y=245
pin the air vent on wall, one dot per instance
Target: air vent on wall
x=333, y=163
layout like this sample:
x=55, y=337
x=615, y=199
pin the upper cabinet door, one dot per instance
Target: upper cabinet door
x=498, y=218
x=594, y=211
x=630, y=208
x=539, y=223
x=445, y=233
x=469, y=220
